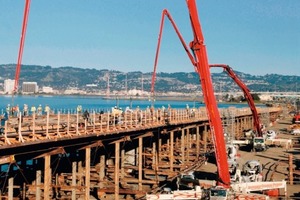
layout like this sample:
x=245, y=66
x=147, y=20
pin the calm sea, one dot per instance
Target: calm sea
x=97, y=103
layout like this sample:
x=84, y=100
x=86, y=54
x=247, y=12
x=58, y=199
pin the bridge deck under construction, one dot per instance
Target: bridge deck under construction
x=107, y=155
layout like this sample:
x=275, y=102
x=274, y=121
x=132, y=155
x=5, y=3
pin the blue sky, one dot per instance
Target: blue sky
x=256, y=37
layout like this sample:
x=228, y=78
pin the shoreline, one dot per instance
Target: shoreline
x=135, y=98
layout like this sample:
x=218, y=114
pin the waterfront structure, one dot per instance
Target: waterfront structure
x=74, y=90
x=106, y=155
x=9, y=86
x=91, y=85
x=265, y=97
x=46, y=89
x=29, y=87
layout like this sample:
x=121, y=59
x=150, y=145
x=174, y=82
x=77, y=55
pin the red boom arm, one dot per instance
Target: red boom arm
x=166, y=13
x=247, y=95
x=199, y=50
x=23, y=34
x=199, y=59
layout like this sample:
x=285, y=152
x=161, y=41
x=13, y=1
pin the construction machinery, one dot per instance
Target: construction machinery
x=257, y=141
x=198, y=56
x=252, y=171
x=21, y=48
x=247, y=94
x=296, y=118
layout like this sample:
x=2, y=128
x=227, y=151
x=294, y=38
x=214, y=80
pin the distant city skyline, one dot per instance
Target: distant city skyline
x=255, y=37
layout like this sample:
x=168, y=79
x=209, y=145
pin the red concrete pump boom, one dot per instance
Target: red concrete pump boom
x=199, y=50
x=166, y=13
x=199, y=59
x=23, y=34
x=247, y=95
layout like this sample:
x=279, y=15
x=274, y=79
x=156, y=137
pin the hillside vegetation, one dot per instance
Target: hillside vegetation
x=65, y=77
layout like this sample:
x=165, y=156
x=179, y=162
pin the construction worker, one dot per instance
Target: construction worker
x=79, y=109
x=86, y=116
x=47, y=109
x=187, y=108
x=39, y=110
x=33, y=109
x=8, y=110
x=16, y=110
x=25, y=110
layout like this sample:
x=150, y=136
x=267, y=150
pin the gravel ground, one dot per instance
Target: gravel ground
x=274, y=160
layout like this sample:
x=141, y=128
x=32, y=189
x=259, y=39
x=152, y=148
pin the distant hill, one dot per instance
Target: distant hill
x=66, y=77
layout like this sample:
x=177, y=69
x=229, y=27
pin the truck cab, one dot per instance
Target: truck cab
x=296, y=119
x=259, y=144
x=218, y=193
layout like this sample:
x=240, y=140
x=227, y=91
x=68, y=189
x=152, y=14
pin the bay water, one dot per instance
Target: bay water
x=69, y=103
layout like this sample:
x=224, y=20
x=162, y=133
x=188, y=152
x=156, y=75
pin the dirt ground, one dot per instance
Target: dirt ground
x=274, y=160
x=278, y=156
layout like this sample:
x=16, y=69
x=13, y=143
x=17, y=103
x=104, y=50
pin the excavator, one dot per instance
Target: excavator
x=199, y=59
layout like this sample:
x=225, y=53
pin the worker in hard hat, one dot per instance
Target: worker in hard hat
x=8, y=110
x=25, y=110
x=33, y=109
x=79, y=109
x=47, y=109
x=39, y=110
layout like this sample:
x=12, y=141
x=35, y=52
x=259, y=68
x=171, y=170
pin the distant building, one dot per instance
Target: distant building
x=265, y=97
x=46, y=89
x=9, y=86
x=74, y=91
x=91, y=85
x=29, y=87
x=135, y=92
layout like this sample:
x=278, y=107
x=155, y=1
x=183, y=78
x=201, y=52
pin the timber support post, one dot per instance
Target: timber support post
x=117, y=171
x=47, y=177
x=87, y=172
x=74, y=175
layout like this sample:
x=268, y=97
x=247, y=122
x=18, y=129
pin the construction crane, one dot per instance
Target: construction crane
x=21, y=48
x=247, y=95
x=198, y=56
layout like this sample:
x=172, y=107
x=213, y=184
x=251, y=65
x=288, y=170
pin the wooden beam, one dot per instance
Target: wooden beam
x=11, y=188
x=171, y=150
x=38, y=185
x=102, y=171
x=182, y=146
x=140, y=164
x=123, y=139
x=197, y=142
x=121, y=191
x=148, y=134
x=7, y=159
x=59, y=150
x=47, y=177
x=74, y=170
x=117, y=166
x=95, y=144
x=87, y=173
